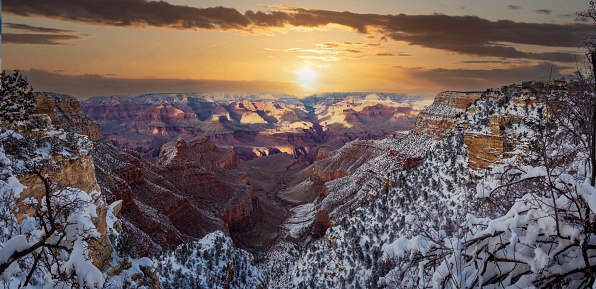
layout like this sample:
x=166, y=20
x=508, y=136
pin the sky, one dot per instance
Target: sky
x=106, y=47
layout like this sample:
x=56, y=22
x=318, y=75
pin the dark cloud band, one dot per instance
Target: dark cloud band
x=30, y=28
x=37, y=39
x=462, y=34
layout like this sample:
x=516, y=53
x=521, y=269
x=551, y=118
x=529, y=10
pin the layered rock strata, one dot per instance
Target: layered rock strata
x=65, y=112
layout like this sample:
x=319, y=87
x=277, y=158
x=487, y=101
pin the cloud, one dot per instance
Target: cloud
x=30, y=28
x=356, y=51
x=130, y=13
x=469, y=35
x=544, y=11
x=385, y=54
x=41, y=35
x=481, y=79
x=485, y=62
x=329, y=44
x=513, y=7
x=88, y=85
x=38, y=39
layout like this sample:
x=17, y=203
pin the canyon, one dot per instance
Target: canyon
x=270, y=168
x=304, y=174
x=188, y=164
x=260, y=170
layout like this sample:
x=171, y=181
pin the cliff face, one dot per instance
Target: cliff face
x=78, y=172
x=65, y=112
x=483, y=150
x=71, y=155
x=457, y=99
x=154, y=213
x=437, y=120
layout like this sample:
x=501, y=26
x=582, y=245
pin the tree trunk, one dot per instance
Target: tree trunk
x=593, y=122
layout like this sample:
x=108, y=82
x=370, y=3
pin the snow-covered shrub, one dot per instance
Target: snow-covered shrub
x=17, y=97
x=212, y=262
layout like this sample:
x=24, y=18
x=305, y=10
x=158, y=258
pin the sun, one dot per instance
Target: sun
x=307, y=77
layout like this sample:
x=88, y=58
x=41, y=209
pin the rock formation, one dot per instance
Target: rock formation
x=72, y=162
x=155, y=215
x=65, y=112
x=150, y=124
x=437, y=119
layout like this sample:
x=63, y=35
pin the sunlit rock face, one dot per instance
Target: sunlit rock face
x=65, y=111
x=254, y=125
x=437, y=120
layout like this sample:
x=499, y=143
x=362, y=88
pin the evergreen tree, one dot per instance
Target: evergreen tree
x=17, y=97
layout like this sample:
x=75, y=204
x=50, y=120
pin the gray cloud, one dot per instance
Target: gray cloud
x=480, y=79
x=88, y=85
x=469, y=35
x=544, y=11
x=38, y=39
x=30, y=28
x=513, y=7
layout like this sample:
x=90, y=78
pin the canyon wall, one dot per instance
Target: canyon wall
x=149, y=124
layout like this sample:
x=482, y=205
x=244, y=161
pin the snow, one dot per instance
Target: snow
x=76, y=209
x=16, y=186
x=206, y=264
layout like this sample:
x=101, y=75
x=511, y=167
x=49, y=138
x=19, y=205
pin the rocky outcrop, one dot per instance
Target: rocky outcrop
x=437, y=120
x=71, y=169
x=457, y=99
x=322, y=223
x=483, y=150
x=65, y=112
x=489, y=147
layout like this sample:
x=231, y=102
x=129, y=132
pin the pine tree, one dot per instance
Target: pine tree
x=17, y=97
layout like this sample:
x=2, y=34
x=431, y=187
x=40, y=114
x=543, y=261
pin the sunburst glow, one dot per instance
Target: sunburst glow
x=307, y=77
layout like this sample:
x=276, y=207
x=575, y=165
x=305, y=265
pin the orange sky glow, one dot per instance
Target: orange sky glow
x=297, y=47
